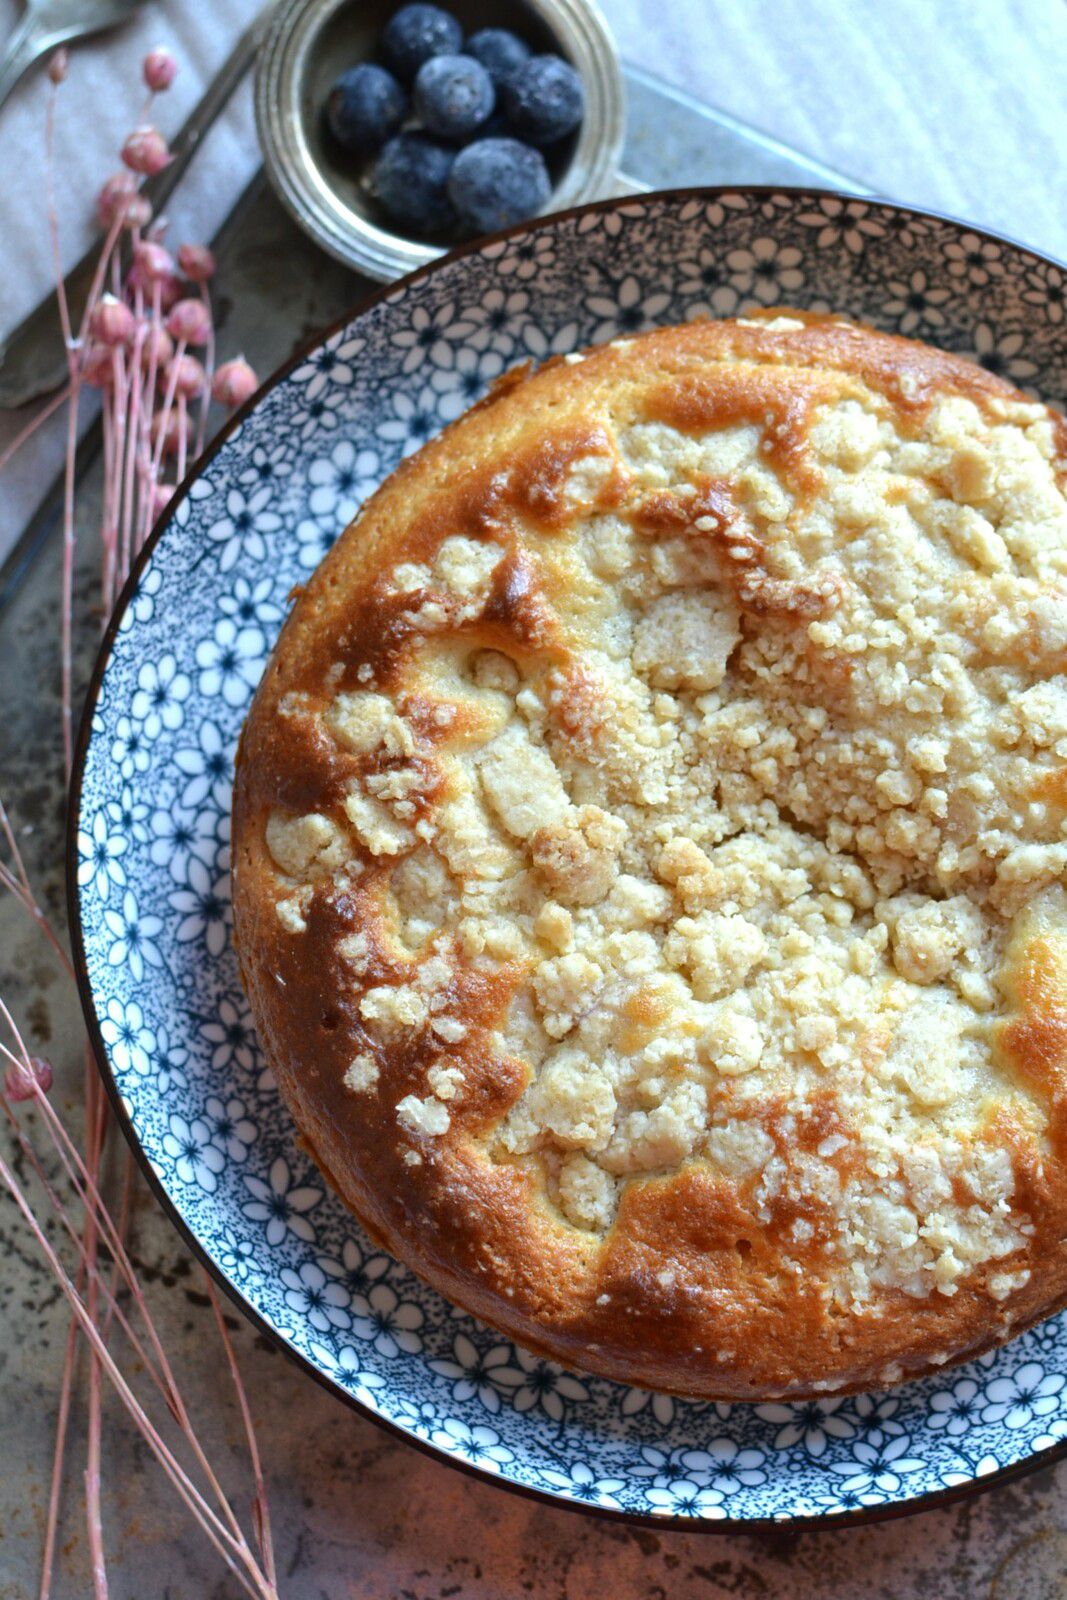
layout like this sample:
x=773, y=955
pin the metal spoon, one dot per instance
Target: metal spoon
x=46, y=24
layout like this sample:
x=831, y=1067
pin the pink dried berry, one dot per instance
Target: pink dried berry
x=174, y=429
x=234, y=383
x=146, y=151
x=111, y=321
x=98, y=368
x=149, y=280
x=172, y=289
x=189, y=322
x=25, y=1079
x=197, y=262
x=158, y=346
x=138, y=213
x=162, y=495
x=187, y=375
x=115, y=197
x=152, y=262
x=160, y=70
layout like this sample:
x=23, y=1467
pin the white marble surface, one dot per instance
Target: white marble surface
x=957, y=105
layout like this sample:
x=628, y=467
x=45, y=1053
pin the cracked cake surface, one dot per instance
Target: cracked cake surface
x=650, y=840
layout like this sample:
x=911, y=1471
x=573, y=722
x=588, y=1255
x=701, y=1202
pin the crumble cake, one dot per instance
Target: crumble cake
x=649, y=859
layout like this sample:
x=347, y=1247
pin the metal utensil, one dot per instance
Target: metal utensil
x=46, y=24
x=32, y=358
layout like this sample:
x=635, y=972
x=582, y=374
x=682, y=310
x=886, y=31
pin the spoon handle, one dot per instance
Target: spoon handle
x=27, y=41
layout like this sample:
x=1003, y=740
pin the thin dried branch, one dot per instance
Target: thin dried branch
x=235, y=1552
x=260, y=1506
x=120, y=347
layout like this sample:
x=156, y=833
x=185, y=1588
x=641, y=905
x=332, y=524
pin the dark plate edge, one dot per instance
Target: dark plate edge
x=934, y=1499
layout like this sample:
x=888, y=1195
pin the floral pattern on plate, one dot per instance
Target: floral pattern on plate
x=151, y=855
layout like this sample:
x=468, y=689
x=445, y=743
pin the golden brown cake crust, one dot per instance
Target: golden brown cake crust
x=648, y=857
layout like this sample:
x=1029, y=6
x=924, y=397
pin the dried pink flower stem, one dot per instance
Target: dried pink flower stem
x=96, y=1127
x=260, y=1507
x=79, y=1173
x=9, y=882
x=165, y=408
x=235, y=1553
x=47, y=410
x=53, y=222
x=154, y=1360
x=108, y=259
x=68, y=581
x=132, y=397
x=18, y=884
x=121, y=1266
x=114, y=1310
x=95, y=1124
x=183, y=436
x=87, y=1270
x=55, y=1486
x=67, y=1384
x=133, y=430
x=120, y=415
x=174, y=1402
x=209, y=368
x=67, y=609
x=122, y=1228
x=96, y=1118
x=108, y=524
x=94, y=1522
x=108, y=351
x=146, y=477
x=74, y=376
x=109, y=1289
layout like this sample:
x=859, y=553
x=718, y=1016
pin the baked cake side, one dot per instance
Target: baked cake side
x=650, y=840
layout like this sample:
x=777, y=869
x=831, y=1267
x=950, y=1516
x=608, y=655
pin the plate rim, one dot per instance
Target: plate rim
x=826, y=1522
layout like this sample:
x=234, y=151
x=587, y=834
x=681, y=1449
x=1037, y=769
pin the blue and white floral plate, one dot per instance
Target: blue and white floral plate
x=149, y=856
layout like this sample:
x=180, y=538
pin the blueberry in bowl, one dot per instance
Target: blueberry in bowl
x=366, y=107
x=415, y=34
x=339, y=81
x=495, y=183
x=500, y=52
x=491, y=87
x=454, y=96
x=410, y=181
x=544, y=99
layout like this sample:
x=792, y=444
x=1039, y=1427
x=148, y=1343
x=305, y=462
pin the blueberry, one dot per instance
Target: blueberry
x=496, y=182
x=410, y=179
x=366, y=105
x=414, y=34
x=544, y=100
x=500, y=52
x=453, y=96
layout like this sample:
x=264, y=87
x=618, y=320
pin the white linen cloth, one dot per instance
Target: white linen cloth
x=959, y=106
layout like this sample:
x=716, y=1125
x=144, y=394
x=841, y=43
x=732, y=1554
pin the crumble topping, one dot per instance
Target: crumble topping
x=751, y=819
